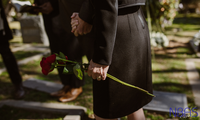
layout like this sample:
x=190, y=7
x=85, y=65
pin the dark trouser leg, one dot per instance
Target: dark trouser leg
x=69, y=46
x=10, y=62
x=71, y=80
x=72, y=49
x=61, y=41
x=87, y=43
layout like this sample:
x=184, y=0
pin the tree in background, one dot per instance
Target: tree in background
x=160, y=13
x=190, y=6
x=189, y=1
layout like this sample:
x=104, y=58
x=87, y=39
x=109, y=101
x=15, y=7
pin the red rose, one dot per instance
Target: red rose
x=46, y=64
x=51, y=59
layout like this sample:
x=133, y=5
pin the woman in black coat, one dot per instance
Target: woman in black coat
x=122, y=48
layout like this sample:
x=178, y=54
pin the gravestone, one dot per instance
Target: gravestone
x=32, y=28
x=72, y=111
x=166, y=100
x=41, y=85
x=195, y=42
x=194, y=47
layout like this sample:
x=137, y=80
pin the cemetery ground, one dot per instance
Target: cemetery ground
x=169, y=75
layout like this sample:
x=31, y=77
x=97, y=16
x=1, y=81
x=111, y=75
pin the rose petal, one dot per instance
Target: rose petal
x=43, y=61
x=45, y=72
x=47, y=67
x=46, y=64
x=51, y=59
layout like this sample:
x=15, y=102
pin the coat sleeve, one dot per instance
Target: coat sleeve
x=86, y=12
x=55, y=5
x=36, y=2
x=106, y=12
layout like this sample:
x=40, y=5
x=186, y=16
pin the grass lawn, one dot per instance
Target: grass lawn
x=169, y=74
x=169, y=69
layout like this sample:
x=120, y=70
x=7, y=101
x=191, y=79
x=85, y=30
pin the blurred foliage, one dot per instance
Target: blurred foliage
x=162, y=13
x=5, y=2
x=28, y=0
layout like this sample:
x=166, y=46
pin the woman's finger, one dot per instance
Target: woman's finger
x=74, y=15
x=73, y=29
x=74, y=21
x=97, y=73
x=80, y=32
x=100, y=74
x=104, y=73
x=96, y=76
x=74, y=24
x=75, y=33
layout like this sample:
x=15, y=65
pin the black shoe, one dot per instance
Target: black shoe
x=19, y=91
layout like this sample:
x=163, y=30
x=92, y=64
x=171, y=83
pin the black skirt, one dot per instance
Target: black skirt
x=131, y=63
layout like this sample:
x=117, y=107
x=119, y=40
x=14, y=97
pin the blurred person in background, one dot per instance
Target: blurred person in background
x=86, y=40
x=61, y=41
x=7, y=56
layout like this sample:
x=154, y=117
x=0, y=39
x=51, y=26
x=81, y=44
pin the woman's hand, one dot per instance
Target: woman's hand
x=79, y=26
x=97, y=71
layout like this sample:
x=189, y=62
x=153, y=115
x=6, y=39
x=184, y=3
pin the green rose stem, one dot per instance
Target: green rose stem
x=109, y=76
x=68, y=61
x=60, y=65
x=119, y=81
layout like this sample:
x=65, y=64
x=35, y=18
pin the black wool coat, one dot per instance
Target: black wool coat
x=122, y=42
x=8, y=33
